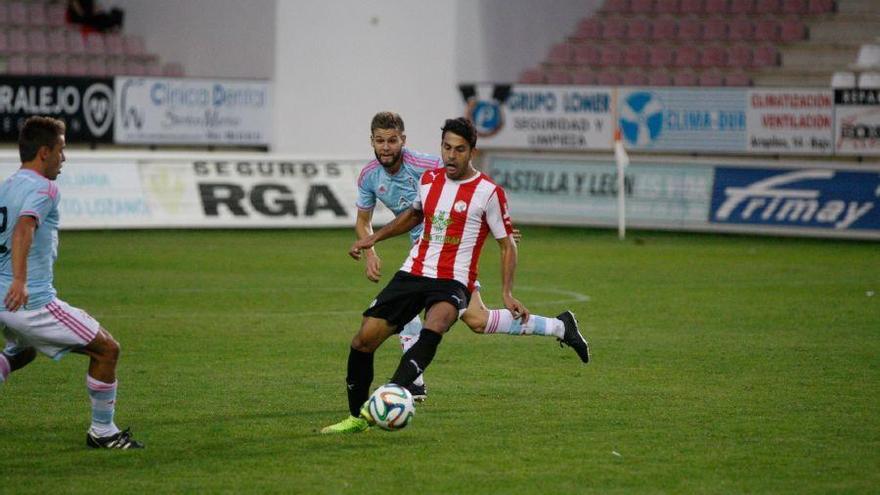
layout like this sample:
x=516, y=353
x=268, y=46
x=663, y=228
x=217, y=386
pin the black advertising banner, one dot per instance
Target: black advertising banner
x=84, y=104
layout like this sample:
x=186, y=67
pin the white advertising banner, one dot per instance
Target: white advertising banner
x=192, y=111
x=857, y=121
x=541, y=117
x=790, y=121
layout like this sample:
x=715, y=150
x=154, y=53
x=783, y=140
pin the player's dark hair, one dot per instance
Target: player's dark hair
x=386, y=120
x=37, y=132
x=461, y=127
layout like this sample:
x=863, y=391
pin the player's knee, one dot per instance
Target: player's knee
x=21, y=359
x=111, y=351
x=475, y=321
x=363, y=345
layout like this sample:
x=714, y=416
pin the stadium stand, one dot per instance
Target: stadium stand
x=36, y=39
x=728, y=42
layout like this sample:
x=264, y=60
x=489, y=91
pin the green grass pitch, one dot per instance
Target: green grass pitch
x=722, y=364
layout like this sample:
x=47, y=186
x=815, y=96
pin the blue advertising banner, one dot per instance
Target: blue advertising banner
x=840, y=200
x=669, y=119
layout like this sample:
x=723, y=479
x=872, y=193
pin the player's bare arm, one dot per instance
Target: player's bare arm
x=508, y=267
x=364, y=228
x=401, y=224
x=22, y=238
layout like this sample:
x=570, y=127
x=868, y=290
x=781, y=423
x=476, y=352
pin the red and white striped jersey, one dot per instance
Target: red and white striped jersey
x=458, y=216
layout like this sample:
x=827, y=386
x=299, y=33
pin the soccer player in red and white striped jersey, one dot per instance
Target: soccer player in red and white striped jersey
x=458, y=207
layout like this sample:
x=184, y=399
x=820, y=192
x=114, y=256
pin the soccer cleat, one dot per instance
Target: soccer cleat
x=419, y=392
x=121, y=440
x=573, y=337
x=350, y=424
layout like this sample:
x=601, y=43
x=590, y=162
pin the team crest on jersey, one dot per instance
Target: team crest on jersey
x=382, y=189
x=459, y=206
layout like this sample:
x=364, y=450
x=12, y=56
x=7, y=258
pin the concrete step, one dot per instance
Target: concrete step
x=858, y=6
x=830, y=57
x=818, y=78
x=845, y=31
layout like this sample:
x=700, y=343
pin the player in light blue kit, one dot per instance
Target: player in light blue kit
x=393, y=179
x=32, y=317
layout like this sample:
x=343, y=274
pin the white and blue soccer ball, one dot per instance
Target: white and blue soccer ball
x=391, y=407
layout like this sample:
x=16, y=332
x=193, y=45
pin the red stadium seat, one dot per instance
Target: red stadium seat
x=742, y=7
x=639, y=29
x=114, y=44
x=792, y=29
x=641, y=6
x=17, y=41
x=767, y=30
x=37, y=42
x=17, y=65
x=686, y=57
x=739, y=56
x=684, y=78
x=713, y=56
x=37, y=65
x=737, y=79
x=660, y=56
x=716, y=7
x=589, y=29
x=528, y=76
x=95, y=44
x=691, y=6
x=715, y=29
x=4, y=43
x=57, y=43
x=115, y=66
x=765, y=56
x=17, y=13
x=614, y=29
x=586, y=54
x=635, y=56
x=820, y=6
x=75, y=45
x=611, y=55
x=56, y=16
x=134, y=67
x=609, y=78
x=664, y=29
x=36, y=15
x=615, y=7
x=666, y=6
x=4, y=13
x=689, y=29
x=560, y=54
x=96, y=67
x=635, y=78
x=58, y=65
x=557, y=76
x=740, y=29
x=584, y=77
x=77, y=66
x=711, y=79
x=660, y=78
x=768, y=7
x=794, y=7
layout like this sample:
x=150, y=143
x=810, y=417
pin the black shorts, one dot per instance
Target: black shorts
x=407, y=295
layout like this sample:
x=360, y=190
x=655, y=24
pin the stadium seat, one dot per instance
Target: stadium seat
x=684, y=78
x=614, y=29
x=711, y=79
x=608, y=78
x=95, y=44
x=714, y=29
x=528, y=76
x=664, y=29
x=36, y=14
x=767, y=30
x=868, y=57
x=57, y=41
x=843, y=79
x=77, y=66
x=17, y=13
x=792, y=29
x=686, y=57
x=742, y=7
x=97, y=67
x=666, y=6
x=58, y=65
x=765, y=56
x=17, y=41
x=37, y=65
x=551, y=76
x=639, y=30
x=869, y=80
x=768, y=7
x=739, y=56
x=611, y=55
x=17, y=65
x=660, y=56
x=586, y=54
x=713, y=56
x=740, y=29
x=794, y=7
x=4, y=43
x=560, y=54
x=115, y=66
x=644, y=7
x=134, y=67
x=689, y=29
x=114, y=44
x=660, y=78
x=56, y=15
x=584, y=77
x=716, y=7
x=635, y=56
x=820, y=7
x=589, y=29
x=634, y=78
x=615, y=7
x=4, y=13
x=691, y=6
x=37, y=41
x=738, y=79
x=75, y=43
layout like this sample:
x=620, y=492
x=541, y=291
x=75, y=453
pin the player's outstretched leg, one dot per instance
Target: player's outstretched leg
x=408, y=337
x=103, y=433
x=573, y=337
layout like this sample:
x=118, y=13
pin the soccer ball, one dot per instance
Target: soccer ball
x=391, y=407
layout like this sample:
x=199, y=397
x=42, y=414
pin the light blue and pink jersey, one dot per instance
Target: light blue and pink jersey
x=397, y=191
x=27, y=193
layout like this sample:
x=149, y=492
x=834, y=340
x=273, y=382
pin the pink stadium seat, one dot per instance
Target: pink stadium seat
x=95, y=44
x=528, y=76
x=611, y=55
x=742, y=7
x=794, y=7
x=684, y=78
x=17, y=13
x=740, y=29
x=635, y=56
x=715, y=29
x=739, y=56
x=57, y=42
x=97, y=67
x=716, y=7
x=58, y=65
x=56, y=15
x=4, y=43
x=608, y=78
x=615, y=7
x=114, y=44
x=768, y=7
x=713, y=56
x=17, y=41
x=584, y=77
x=134, y=67
x=686, y=57
x=660, y=78
x=36, y=14
x=660, y=56
x=765, y=56
x=589, y=29
x=75, y=44
x=792, y=29
x=820, y=6
x=664, y=29
x=711, y=79
x=551, y=76
x=153, y=69
x=77, y=66
x=639, y=29
x=17, y=65
x=586, y=54
x=115, y=66
x=134, y=46
x=635, y=78
x=737, y=79
x=641, y=6
x=37, y=66
x=560, y=54
x=689, y=29
x=614, y=29
x=666, y=6
x=691, y=6
x=37, y=41
x=767, y=30
x=4, y=13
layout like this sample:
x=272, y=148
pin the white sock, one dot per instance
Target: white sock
x=5, y=368
x=502, y=321
x=103, y=396
x=408, y=337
